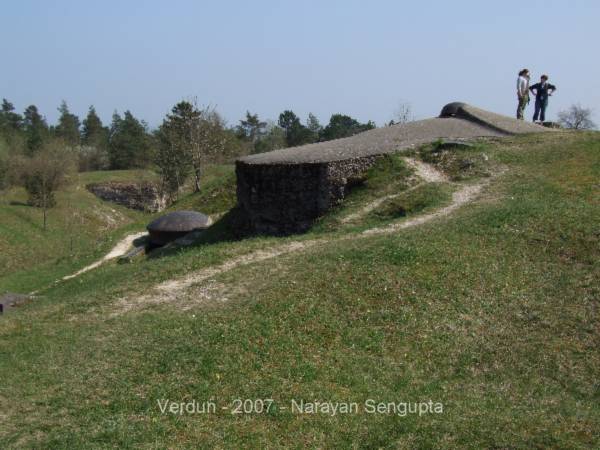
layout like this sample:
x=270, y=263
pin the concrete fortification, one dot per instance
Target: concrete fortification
x=284, y=191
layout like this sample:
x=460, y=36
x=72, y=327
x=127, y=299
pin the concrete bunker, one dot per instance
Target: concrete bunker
x=285, y=191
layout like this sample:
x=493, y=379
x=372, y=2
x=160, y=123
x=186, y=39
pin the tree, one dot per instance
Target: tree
x=10, y=121
x=68, y=126
x=4, y=164
x=403, y=114
x=251, y=129
x=171, y=159
x=314, y=126
x=295, y=133
x=94, y=139
x=576, y=118
x=129, y=144
x=341, y=126
x=273, y=139
x=207, y=139
x=189, y=138
x=36, y=129
x=11, y=128
x=44, y=173
x=93, y=132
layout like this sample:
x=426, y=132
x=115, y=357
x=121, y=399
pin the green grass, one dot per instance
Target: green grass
x=492, y=311
x=422, y=197
x=81, y=228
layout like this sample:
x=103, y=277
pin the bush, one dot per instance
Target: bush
x=92, y=158
x=576, y=118
x=4, y=172
x=45, y=172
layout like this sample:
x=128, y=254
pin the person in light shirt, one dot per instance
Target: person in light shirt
x=522, y=93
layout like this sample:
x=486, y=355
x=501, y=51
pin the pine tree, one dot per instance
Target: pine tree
x=341, y=126
x=251, y=129
x=93, y=133
x=295, y=133
x=129, y=144
x=314, y=126
x=36, y=129
x=68, y=126
x=10, y=121
x=93, y=153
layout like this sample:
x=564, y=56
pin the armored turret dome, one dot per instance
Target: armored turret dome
x=174, y=225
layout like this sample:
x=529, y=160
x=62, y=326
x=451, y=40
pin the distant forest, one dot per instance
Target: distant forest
x=129, y=143
x=40, y=157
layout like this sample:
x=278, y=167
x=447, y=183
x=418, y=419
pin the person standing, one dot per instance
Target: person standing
x=542, y=91
x=522, y=93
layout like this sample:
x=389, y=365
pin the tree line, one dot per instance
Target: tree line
x=40, y=157
x=129, y=143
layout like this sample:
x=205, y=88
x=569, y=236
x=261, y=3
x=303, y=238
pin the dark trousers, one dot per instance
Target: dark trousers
x=540, y=109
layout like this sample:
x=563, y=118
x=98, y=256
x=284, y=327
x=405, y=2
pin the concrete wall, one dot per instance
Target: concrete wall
x=287, y=198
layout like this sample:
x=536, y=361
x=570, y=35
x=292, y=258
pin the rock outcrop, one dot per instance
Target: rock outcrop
x=143, y=196
x=284, y=191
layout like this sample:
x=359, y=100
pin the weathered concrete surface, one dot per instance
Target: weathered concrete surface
x=286, y=198
x=502, y=125
x=141, y=196
x=10, y=300
x=284, y=191
x=175, y=225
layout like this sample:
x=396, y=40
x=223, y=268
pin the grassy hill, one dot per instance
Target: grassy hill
x=81, y=228
x=491, y=311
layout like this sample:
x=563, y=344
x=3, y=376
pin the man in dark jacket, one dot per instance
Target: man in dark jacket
x=542, y=91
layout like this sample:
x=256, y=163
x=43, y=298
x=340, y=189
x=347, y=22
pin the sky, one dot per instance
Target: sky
x=361, y=58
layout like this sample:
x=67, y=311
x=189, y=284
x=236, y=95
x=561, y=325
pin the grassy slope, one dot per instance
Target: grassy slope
x=492, y=311
x=81, y=228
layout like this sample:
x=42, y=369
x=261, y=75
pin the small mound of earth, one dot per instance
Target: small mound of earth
x=175, y=225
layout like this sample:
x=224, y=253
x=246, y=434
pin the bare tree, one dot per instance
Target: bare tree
x=576, y=118
x=403, y=113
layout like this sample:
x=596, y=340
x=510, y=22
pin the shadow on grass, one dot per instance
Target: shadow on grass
x=18, y=203
x=141, y=241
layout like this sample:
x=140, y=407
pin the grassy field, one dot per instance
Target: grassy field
x=491, y=312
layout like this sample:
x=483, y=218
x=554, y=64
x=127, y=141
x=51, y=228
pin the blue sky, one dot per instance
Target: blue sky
x=356, y=57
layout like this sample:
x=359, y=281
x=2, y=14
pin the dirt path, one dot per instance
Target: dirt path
x=459, y=198
x=118, y=250
x=171, y=291
x=425, y=172
x=168, y=291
